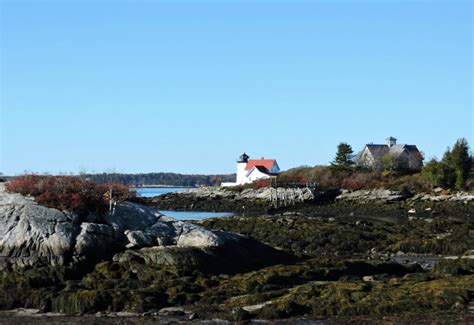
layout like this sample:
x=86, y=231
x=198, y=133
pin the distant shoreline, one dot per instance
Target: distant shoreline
x=163, y=186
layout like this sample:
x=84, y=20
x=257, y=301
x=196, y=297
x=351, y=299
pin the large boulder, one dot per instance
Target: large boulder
x=233, y=254
x=31, y=234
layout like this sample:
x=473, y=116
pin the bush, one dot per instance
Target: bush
x=68, y=192
x=263, y=183
x=410, y=183
x=361, y=180
x=439, y=174
x=305, y=175
x=240, y=188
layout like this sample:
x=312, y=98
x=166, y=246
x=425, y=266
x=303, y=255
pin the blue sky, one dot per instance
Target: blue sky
x=149, y=86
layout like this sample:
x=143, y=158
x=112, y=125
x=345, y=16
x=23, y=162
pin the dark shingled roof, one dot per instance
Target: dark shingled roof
x=396, y=150
x=265, y=171
x=379, y=150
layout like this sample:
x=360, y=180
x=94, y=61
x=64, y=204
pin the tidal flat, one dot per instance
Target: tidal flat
x=345, y=269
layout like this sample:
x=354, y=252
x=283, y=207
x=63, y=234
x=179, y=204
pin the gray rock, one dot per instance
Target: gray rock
x=32, y=235
x=237, y=253
x=391, y=196
x=372, y=195
x=138, y=238
x=172, y=311
x=464, y=197
x=168, y=256
x=95, y=241
x=131, y=216
x=264, y=194
x=194, y=236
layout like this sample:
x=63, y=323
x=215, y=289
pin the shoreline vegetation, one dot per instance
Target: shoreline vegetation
x=163, y=179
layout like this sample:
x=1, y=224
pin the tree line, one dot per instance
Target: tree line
x=167, y=179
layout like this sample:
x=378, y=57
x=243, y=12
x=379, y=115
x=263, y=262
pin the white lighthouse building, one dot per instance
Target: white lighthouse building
x=252, y=170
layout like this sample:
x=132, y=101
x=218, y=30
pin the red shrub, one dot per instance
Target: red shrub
x=329, y=183
x=263, y=183
x=351, y=184
x=362, y=180
x=68, y=192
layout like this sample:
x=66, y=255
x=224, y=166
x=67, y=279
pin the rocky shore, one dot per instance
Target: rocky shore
x=52, y=247
x=311, y=261
x=369, y=203
x=32, y=235
x=394, y=196
x=225, y=200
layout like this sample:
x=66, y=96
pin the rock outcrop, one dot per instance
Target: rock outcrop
x=246, y=202
x=454, y=197
x=382, y=195
x=33, y=235
x=232, y=254
x=265, y=194
x=373, y=195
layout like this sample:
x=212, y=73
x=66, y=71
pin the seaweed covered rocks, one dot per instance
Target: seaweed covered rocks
x=349, y=237
x=285, y=266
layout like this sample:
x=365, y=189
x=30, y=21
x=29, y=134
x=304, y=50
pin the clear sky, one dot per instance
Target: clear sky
x=150, y=86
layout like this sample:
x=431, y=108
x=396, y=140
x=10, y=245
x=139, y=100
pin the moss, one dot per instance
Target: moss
x=81, y=301
x=349, y=236
x=359, y=298
x=460, y=266
x=308, y=288
x=146, y=299
x=324, y=282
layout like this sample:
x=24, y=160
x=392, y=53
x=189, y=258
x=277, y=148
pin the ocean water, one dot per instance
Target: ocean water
x=179, y=215
x=157, y=191
x=185, y=215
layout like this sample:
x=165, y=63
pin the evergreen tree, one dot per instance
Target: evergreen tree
x=460, y=162
x=453, y=170
x=447, y=172
x=343, y=161
x=432, y=171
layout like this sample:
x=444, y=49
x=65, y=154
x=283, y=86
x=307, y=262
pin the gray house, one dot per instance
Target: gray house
x=399, y=156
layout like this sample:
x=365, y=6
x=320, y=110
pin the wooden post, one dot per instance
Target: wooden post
x=110, y=201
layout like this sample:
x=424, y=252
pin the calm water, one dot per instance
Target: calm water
x=156, y=191
x=179, y=215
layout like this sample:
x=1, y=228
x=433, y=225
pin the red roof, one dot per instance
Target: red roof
x=267, y=163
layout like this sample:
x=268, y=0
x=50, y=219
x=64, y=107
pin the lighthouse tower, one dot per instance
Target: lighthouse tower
x=241, y=165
